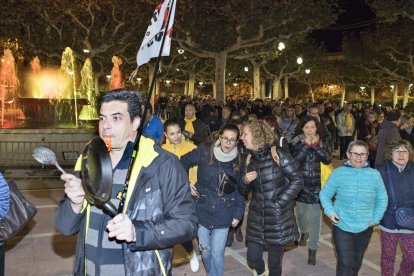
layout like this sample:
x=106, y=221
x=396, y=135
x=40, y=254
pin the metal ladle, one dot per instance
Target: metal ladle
x=46, y=156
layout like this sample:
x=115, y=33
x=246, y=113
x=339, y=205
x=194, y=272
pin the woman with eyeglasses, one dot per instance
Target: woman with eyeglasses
x=309, y=151
x=398, y=176
x=360, y=202
x=274, y=178
x=219, y=204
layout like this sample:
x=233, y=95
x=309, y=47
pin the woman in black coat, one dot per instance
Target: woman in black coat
x=271, y=218
x=309, y=151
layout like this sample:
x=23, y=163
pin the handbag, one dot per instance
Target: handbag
x=326, y=171
x=21, y=211
x=227, y=183
x=404, y=216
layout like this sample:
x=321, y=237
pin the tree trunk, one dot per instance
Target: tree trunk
x=286, y=87
x=395, y=96
x=263, y=90
x=220, y=75
x=214, y=84
x=343, y=95
x=186, y=88
x=405, y=98
x=256, y=81
x=191, y=82
x=277, y=88
x=311, y=92
x=372, y=95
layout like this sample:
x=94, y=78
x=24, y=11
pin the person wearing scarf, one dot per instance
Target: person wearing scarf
x=194, y=129
x=346, y=126
x=217, y=209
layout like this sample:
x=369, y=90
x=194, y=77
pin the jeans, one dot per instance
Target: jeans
x=212, y=244
x=255, y=258
x=389, y=243
x=350, y=249
x=309, y=221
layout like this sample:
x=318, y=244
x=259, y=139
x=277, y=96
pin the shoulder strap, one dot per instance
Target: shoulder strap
x=249, y=156
x=274, y=155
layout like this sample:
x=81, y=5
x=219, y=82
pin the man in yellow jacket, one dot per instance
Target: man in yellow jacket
x=178, y=145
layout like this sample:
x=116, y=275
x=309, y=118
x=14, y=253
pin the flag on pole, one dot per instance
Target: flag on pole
x=151, y=44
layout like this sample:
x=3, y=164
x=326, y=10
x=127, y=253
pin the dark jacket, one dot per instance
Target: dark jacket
x=407, y=136
x=403, y=189
x=167, y=219
x=271, y=219
x=201, y=131
x=387, y=133
x=309, y=159
x=213, y=211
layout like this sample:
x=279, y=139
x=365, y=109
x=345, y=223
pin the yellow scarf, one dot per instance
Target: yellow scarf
x=348, y=120
x=189, y=124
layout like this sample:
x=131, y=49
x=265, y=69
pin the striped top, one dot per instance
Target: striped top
x=104, y=255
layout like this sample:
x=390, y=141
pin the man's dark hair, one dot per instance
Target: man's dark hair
x=133, y=99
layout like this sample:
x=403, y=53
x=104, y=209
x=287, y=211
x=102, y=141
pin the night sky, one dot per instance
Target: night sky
x=357, y=15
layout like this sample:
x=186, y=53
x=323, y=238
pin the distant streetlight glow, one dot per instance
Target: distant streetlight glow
x=235, y=84
x=281, y=46
x=392, y=87
x=86, y=51
x=299, y=60
x=307, y=71
x=180, y=51
x=246, y=69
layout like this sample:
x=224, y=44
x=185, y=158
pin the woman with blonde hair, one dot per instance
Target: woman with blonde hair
x=271, y=219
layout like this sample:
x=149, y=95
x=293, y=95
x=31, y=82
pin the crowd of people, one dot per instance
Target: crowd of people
x=266, y=154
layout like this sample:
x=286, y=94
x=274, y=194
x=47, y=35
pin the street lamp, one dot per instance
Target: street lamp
x=299, y=60
x=307, y=71
x=246, y=69
x=281, y=46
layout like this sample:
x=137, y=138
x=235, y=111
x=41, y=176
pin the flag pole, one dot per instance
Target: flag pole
x=141, y=127
x=156, y=69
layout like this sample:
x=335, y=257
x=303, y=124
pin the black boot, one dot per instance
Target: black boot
x=311, y=257
x=303, y=241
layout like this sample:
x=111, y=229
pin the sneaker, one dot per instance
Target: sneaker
x=194, y=264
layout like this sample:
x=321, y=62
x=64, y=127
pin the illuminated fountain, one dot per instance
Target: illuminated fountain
x=116, y=75
x=51, y=105
x=8, y=81
x=87, y=90
x=53, y=100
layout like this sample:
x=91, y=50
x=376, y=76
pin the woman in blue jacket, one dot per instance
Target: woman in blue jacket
x=217, y=208
x=361, y=200
x=398, y=175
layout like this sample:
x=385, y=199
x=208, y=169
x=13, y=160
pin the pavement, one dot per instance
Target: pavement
x=40, y=250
